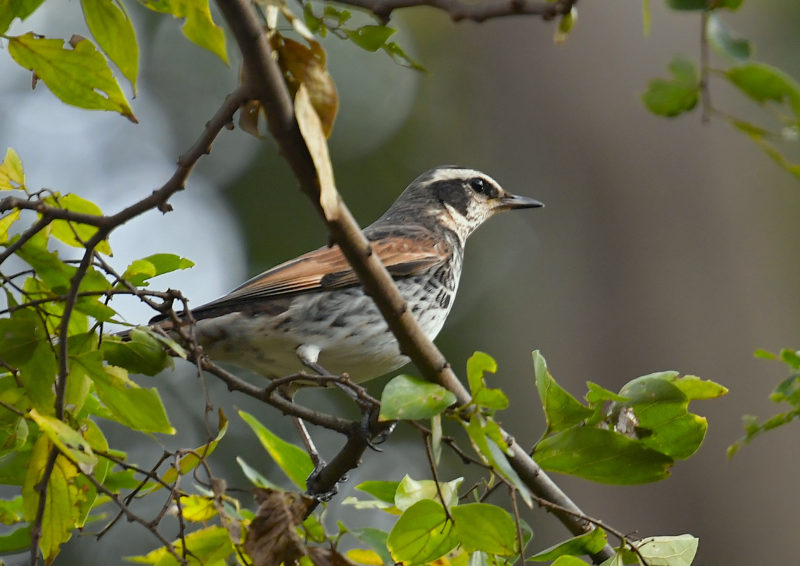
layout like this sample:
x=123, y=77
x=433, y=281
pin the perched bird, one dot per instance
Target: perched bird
x=312, y=311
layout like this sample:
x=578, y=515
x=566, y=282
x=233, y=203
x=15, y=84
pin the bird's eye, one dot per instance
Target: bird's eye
x=478, y=185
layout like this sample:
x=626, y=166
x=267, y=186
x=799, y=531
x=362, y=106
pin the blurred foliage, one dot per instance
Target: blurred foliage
x=762, y=83
x=787, y=391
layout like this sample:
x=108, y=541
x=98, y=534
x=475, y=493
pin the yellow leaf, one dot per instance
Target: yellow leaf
x=369, y=557
x=5, y=223
x=76, y=234
x=11, y=172
x=62, y=501
x=79, y=76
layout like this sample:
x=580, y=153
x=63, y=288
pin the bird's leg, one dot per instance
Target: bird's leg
x=309, y=357
x=302, y=429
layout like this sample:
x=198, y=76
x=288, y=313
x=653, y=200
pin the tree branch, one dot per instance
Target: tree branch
x=459, y=10
x=263, y=73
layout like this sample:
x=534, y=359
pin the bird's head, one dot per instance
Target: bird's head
x=458, y=198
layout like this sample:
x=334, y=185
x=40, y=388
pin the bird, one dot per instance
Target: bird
x=312, y=311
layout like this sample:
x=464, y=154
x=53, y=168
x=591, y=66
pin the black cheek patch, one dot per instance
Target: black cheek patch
x=452, y=192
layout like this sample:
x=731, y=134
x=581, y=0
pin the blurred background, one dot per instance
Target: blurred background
x=663, y=245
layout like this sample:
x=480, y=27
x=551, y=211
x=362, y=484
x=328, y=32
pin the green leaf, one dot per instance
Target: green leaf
x=211, y=546
x=11, y=511
x=112, y=29
x=668, y=550
x=24, y=344
x=411, y=398
x=68, y=440
x=11, y=173
x=137, y=408
x=484, y=527
x=493, y=454
x=790, y=357
x=294, y=461
x=140, y=353
x=670, y=98
x=436, y=438
x=313, y=529
x=55, y=274
x=148, y=267
x=763, y=83
x=561, y=409
x=84, y=359
x=697, y=389
x=587, y=543
x=382, y=490
x=124, y=479
x=255, y=477
x=567, y=560
x=61, y=512
x=422, y=534
x=598, y=394
x=758, y=136
x=370, y=37
x=13, y=466
x=409, y=491
x=724, y=41
x=703, y=4
x=38, y=375
x=664, y=421
x=19, y=337
x=402, y=58
x=601, y=455
x=16, y=541
x=377, y=539
x=78, y=76
x=763, y=354
x=198, y=28
x=477, y=365
x=787, y=390
x=10, y=9
x=75, y=234
x=94, y=436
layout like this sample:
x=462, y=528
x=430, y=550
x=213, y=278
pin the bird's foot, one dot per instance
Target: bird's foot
x=312, y=490
x=373, y=431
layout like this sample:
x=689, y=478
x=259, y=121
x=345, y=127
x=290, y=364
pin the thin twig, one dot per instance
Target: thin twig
x=429, y=451
x=512, y=492
x=234, y=383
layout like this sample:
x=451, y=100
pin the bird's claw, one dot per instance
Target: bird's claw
x=311, y=491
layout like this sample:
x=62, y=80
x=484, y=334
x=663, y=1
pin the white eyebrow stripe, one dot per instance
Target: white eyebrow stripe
x=456, y=173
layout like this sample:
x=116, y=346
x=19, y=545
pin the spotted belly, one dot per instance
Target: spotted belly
x=344, y=325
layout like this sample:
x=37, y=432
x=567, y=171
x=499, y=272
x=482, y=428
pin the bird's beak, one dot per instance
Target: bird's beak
x=510, y=202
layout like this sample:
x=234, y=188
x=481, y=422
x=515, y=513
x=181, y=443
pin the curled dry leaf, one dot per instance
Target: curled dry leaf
x=305, y=65
x=273, y=538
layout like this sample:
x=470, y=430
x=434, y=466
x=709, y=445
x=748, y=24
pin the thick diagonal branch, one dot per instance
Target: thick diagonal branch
x=266, y=79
